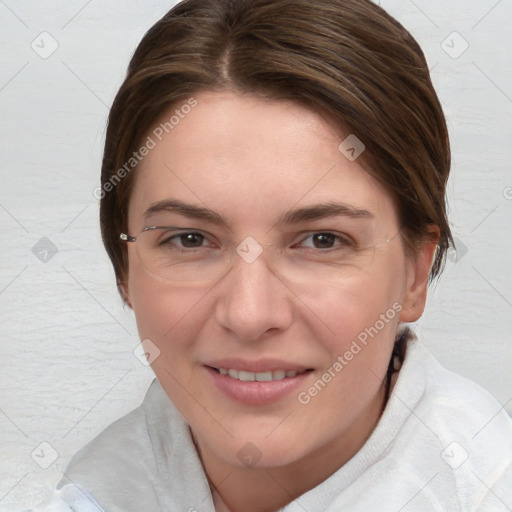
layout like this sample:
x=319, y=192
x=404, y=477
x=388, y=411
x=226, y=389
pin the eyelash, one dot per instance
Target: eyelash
x=168, y=240
x=343, y=241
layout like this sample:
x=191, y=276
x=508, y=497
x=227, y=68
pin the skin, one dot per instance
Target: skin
x=251, y=160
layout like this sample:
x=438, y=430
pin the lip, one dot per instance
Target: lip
x=256, y=393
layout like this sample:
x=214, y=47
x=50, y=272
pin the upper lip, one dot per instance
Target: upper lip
x=261, y=365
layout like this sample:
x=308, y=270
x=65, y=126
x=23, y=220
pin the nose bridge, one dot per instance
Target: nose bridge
x=252, y=299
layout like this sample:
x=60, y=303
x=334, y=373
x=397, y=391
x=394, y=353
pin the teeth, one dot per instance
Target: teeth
x=260, y=376
x=245, y=376
x=264, y=376
x=279, y=374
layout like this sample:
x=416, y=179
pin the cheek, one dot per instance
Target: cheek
x=357, y=323
x=165, y=314
x=357, y=329
x=346, y=311
x=171, y=318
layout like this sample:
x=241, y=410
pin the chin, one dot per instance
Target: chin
x=263, y=455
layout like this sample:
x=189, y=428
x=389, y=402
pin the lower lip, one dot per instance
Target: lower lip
x=256, y=393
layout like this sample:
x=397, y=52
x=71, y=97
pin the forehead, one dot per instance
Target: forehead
x=251, y=159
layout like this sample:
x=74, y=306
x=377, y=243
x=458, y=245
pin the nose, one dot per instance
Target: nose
x=253, y=301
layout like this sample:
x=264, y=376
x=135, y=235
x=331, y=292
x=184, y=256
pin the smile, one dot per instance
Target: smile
x=257, y=384
x=265, y=376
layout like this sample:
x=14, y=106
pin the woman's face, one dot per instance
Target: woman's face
x=292, y=263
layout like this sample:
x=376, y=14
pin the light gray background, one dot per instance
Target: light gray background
x=66, y=363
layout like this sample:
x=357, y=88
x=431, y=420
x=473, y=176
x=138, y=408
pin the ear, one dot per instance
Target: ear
x=123, y=290
x=418, y=269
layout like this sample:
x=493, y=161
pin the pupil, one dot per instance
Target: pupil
x=323, y=240
x=192, y=240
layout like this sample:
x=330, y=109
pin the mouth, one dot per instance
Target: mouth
x=265, y=376
x=257, y=384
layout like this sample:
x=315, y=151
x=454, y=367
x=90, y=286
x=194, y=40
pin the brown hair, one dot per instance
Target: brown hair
x=347, y=58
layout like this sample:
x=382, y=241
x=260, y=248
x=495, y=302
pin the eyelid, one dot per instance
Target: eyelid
x=339, y=235
x=173, y=232
x=179, y=229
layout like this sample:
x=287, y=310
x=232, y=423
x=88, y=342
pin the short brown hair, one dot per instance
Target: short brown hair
x=347, y=58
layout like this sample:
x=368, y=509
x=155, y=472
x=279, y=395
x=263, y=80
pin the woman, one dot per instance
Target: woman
x=273, y=203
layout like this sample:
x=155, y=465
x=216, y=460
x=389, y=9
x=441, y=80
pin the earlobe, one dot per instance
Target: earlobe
x=419, y=267
x=123, y=290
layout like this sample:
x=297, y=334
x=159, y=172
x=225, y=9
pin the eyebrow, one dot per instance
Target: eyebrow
x=322, y=211
x=188, y=210
x=308, y=213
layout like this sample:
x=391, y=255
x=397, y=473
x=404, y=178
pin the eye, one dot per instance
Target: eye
x=191, y=239
x=188, y=240
x=325, y=240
